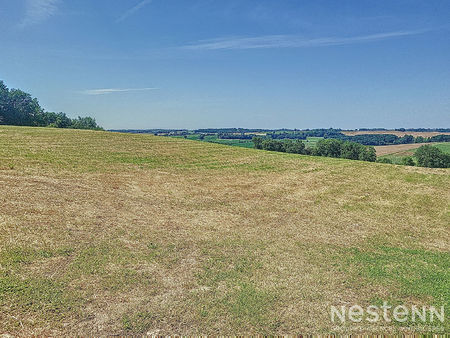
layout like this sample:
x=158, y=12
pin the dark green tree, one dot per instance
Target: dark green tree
x=352, y=150
x=273, y=145
x=4, y=102
x=328, y=147
x=384, y=160
x=295, y=147
x=257, y=142
x=20, y=109
x=368, y=153
x=408, y=160
x=17, y=107
x=432, y=157
x=85, y=123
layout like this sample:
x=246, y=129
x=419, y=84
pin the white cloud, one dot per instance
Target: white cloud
x=104, y=91
x=292, y=41
x=133, y=10
x=37, y=11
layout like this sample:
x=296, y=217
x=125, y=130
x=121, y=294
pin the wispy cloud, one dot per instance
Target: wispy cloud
x=133, y=10
x=37, y=11
x=293, y=41
x=104, y=91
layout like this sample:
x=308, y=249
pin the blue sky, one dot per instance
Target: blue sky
x=235, y=63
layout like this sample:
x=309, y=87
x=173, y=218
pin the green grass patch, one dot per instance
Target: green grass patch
x=112, y=264
x=445, y=147
x=14, y=257
x=412, y=272
x=149, y=161
x=411, y=276
x=138, y=322
x=31, y=293
x=230, y=275
x=36, y=294
x=250, y=304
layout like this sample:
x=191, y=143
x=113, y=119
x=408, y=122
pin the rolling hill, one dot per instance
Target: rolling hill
x=110, y=233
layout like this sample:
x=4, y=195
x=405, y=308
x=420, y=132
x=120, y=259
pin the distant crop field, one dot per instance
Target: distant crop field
x=397, y=148
x=130, y=234
x=312, y=141
x=393, y=132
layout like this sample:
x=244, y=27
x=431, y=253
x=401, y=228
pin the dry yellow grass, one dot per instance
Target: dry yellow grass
x=108, y=233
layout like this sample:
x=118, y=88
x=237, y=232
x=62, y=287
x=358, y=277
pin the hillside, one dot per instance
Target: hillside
x=110, y=233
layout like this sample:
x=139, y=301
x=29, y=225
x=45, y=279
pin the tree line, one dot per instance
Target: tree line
x=329, y=133
x=389, y=139
x=365, y=139
x=19, y=108
x=325, y=147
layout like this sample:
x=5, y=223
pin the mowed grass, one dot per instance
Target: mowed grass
x=108, y=233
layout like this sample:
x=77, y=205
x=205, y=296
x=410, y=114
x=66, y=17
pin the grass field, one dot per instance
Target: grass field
x=445, y=147
x=108, y=233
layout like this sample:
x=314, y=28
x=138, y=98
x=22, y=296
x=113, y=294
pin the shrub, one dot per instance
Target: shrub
x=328, y=147
x=408, y=160
x=432, y=157
x=273, y=145
x=368, y=154
x=295, y=147
x=257, y=141
x=384, y=160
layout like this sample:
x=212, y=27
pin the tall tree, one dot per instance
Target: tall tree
x=20, y=109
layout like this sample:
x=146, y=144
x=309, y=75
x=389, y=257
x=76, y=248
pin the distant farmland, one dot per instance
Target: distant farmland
x=394, y=132
x=409, y=149
x=397, y=148
x=246, y=143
